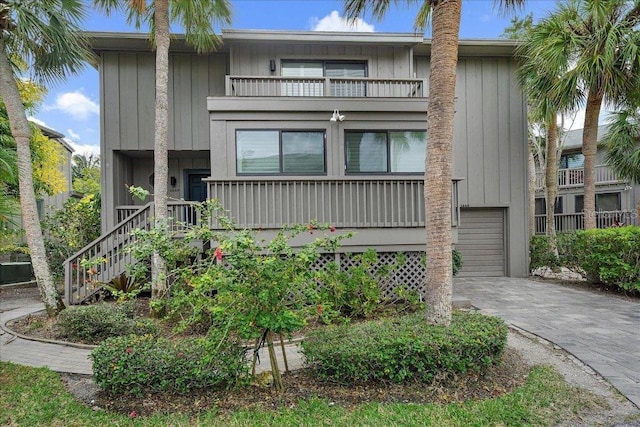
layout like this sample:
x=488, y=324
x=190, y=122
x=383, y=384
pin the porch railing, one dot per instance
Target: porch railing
x=104, y=258
x=348, y=203
x=574, y=177
x=324, y=87
x=575, y=221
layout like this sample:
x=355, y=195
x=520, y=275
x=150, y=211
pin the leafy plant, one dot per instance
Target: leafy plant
x=124, y=287
x=456, y=260
x=405, y=349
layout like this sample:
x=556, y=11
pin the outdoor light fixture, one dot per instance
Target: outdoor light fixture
x=336, y=117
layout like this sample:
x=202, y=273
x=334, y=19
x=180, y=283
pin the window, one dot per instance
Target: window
x=571, y=161
x=605, y=202
x=385, y=151
x=541, y=206
x=276, y=152
x=310, y=78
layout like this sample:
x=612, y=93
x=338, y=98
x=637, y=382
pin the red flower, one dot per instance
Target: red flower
x=319, y=309
x=133, y=414
x=218, y=254
x=129, y=350
x=74, y=266
x=332, y=229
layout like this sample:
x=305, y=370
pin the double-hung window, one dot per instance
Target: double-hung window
x=385, y=151
x=308, y=78
x=280, y=152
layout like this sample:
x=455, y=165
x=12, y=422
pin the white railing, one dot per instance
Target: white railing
x=104, y=258
x=575, y=221
x=266, y=203
x=574, y=177
x=324, y=87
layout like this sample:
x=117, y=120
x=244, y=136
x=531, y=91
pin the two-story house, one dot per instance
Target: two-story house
x=284, y=127
x=616, y=198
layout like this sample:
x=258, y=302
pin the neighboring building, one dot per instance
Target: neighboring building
x=616, y=199
x=284, y=127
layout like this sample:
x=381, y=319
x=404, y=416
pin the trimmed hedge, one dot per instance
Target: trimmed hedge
x=136, y=364
x=94, y=323
x=405, y=349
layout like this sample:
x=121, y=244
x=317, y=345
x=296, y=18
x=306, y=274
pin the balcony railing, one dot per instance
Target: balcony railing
x=575, y=221
x=575, y=177
x=347, y=203
x=181, y=214
x=324, y=87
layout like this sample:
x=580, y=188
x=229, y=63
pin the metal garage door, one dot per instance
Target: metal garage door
x=481, y=242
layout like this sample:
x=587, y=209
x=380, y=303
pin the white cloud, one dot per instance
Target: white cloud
x=84, y=148
x=485, y=18
x=335, y=22
x=77, y=104
x=37, y=121
x=73, y=135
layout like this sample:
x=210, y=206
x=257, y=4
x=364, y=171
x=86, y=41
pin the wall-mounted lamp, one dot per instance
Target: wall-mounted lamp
x=336, y=117
x=173, y=181
x=272, y=65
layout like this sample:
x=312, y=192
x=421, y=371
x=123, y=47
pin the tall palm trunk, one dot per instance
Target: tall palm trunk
x=531, y=171
x=439, y=159
x=551, y=181
x=589, y=149
x=160, y=158
x=22, y=134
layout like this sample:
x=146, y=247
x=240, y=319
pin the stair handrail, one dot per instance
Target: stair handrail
x=87, y=279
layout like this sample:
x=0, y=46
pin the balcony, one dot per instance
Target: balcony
x=276, y=86
x=568, y=178
x=575, y=221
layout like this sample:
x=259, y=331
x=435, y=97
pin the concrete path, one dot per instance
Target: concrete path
x=600, y=330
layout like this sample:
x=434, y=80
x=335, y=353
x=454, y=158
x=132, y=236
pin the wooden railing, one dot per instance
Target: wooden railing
x=269, y=203
x=324, y=87
x=104, y=258
x=574, y=177
x=575, y=221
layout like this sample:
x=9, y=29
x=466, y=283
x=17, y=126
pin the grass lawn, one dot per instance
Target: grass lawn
x=37, y=397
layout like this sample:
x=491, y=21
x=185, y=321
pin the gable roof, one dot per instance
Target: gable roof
x=573, y=138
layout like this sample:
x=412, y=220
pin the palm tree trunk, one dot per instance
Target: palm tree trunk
x=439, y=159
x=22, y=134
x=551, y=180
x=532, y=191
x=589, y=150
x=161, y=156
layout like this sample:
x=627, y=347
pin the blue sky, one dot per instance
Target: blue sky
x=72, y=107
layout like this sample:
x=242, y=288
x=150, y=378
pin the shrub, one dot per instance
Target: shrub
x=610, y=256
x=456, y=259
x=405, y=349
x=94, y=323
x=136, y=364
x=540, y=253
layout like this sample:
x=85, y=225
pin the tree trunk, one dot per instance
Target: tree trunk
x=438, y=161
x=551, y=181
x=22, y=134
x=532, y=191
x=161, y=137
x=589, y=149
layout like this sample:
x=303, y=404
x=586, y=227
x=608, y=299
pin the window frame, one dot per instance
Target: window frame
x=617, y=193
x=387, y=132
x=324, y=63
x=280, y=152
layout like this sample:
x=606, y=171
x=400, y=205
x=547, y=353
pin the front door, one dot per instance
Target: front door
x=196, y=187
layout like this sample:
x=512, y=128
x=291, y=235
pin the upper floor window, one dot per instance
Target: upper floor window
x=571, y=161
x=385, y=151
x=280, y=152
x=605, y=202
x=541, y=206
x=310, y=78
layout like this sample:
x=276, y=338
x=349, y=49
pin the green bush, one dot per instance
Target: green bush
x=610, y=256
x=456, y=260
x=136, y=364
x=405, y=349
x=94, y=323
x=540, y=253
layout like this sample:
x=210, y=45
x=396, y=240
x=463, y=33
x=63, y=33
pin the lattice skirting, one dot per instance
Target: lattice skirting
x=410, y=275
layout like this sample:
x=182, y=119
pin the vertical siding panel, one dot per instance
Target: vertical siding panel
x=460, y=144
x=128, y=101
x=146, y=100
x=475, y=148
x=490, y=121
x=111, y=103
x=182, y=102
x=171, y=99
x=199, y=113
x=505, y=74
x=218, y=69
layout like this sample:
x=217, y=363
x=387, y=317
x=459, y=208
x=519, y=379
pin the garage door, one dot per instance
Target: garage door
x=481, y=242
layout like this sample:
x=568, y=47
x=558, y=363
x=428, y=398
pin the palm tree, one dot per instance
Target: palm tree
x=45, y=35
x=197, y=17
x=598, y=44
x=445, y=23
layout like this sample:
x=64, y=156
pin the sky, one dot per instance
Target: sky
x=73, y=107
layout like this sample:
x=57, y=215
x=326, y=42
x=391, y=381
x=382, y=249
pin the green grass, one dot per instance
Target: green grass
x=37, y=397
